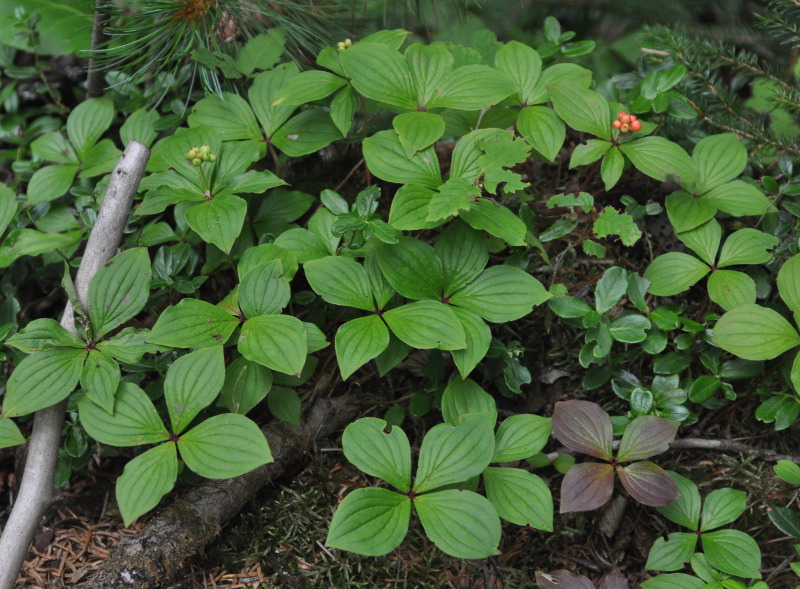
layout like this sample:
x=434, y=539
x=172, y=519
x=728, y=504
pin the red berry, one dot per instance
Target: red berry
x=636, y=126
x=616, y=124
x=625, y=118
x=620, y=115
x=625, y=127
x=634, y=118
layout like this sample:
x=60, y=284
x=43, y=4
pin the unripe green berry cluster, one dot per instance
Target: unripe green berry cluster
x=346, y=44
x=197, y=155
x=626, y=123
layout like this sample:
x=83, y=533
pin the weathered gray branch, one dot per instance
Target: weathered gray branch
x=36, y=489
x=154, y=557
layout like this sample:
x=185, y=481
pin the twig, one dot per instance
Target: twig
x=702, y=444
x=36, y=490
x=94, y=79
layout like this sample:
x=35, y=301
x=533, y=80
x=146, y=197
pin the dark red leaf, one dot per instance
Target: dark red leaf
x=586, y=486
x=613, y=580
x=562, y=579
x=646, y=436
x=584, y=427
x=648, y=483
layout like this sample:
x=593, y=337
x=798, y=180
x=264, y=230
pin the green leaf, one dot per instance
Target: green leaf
x=119, y=290
x=224, y=446
x=261, y=52
x=219, y=220
x=359, y=341
x=428, y=65
x=582, y=109
x=378, y=453
x=262, y=93
x=501, y=294
x=278, y=342
x=685, y=510
x=54, y=147
x=100, y=379
x=409, y=209
x=788, y=471
x=674, y=581
x=264, y=290
x=630, y=329
x=462, y=524
x=719, y=158
x=43, y=333
x=50, y=182
x=135, y=420
x=486, y=215
x=145, y=480
x=306, y=133
x=284, y=403
x=747, y=246
x=193, y=324
x=722, y=507
x=303, y=244
x=789, y=283
x=463, y=253
x=543, y=129
x=10, y=434
x=783, y=518
x=465, y=162
x=671, y=554
x=753, y=332
x=457, y=194
x=246, y=384
x=704, y=240
x=463, y=397
x=674, y=272
x=646, y=436
x=340, y=281
x=521, y=436
x=733, y=552
x=471, y=87
x=230, y=116
x=87, y=123
x=610, y=289
x=519, y=497
x=417, y=130
x=502, y=151
x=686, y=212
x=307, y=86
x=343, y=108
x=370, y=521
x=661, y=159
x=523, y=66
x=8, y=206
x=589, y=152
x=29, y=242
x=427, y=325
x=412, y=267
x=380, y=73
x=612, y=222
x=560, y=72
x=731, y=289
x=42, y=379
x=386, y=158
x=478, y=337
x=452, y=454
x=610, y=171
x=192, y=383
x=738, y=198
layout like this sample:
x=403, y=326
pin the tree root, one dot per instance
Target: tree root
x=156, y=556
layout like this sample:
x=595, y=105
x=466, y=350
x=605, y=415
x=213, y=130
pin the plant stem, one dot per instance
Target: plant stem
x=37, y=481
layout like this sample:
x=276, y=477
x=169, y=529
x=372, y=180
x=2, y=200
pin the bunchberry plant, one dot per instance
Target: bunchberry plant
x=731, y=551
x=584, y=427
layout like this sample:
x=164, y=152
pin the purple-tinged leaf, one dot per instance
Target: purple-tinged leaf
x=562, y=579
x=584, y=427
x=646, y=436
x=587, y=486
x=648, y=483
x=613, y=580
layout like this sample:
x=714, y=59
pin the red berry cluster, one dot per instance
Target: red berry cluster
x=627, y=123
